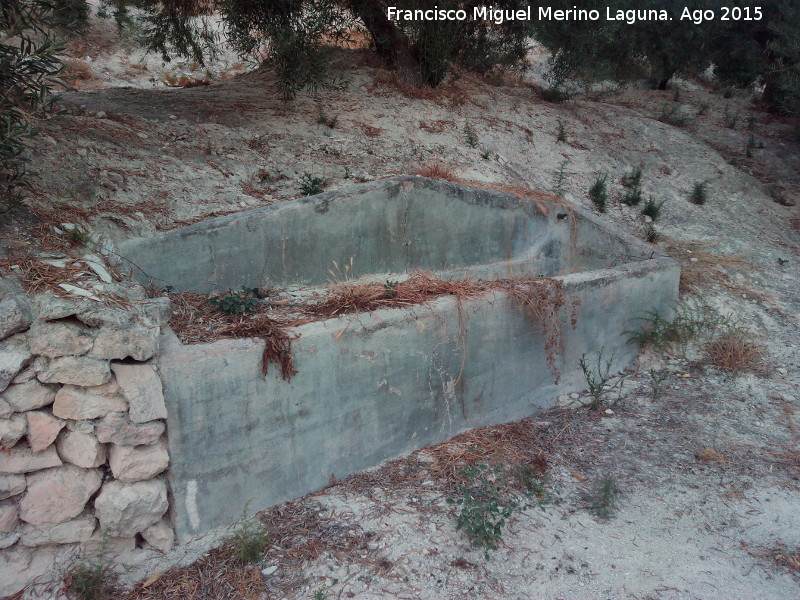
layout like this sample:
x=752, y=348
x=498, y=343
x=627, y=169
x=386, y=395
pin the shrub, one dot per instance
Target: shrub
x=598, y=192
x=236, y=303
x=688, y=322
x=651, y=234
x=604, y=497
x=597, y=379
x=93, y=581
x=311, y=185
x=250, y=540
x=652, y=209
x=633, y=179
x=485, y=504
x=699, y=193
x=729, y=119
x=674, y=115
x=560, y=177
x=470, y=135
x=561, y=132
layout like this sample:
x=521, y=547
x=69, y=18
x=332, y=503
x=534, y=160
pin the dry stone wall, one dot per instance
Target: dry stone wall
x=83, y=450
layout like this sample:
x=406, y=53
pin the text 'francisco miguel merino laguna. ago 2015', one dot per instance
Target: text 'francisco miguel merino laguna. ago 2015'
x=548, y=13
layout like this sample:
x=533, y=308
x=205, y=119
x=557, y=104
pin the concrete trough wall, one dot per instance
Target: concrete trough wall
x=372, y=386
x=385, y=227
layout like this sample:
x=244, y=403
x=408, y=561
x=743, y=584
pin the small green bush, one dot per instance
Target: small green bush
x=604, y=497
x=236, y=303
x=470, y=135
x=730, y=119
x=699, y=193
x=561, y=132
x=485, y=504
x=311, y=185
x=597, y=379
x=250, y=540
x=560, y=177
x=687, y=324
x=598, y=193
x=652, y=209
x=633, y=179
x=93, y=581
x=651, y=234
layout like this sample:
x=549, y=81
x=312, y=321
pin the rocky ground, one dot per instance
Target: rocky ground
x=707, y=471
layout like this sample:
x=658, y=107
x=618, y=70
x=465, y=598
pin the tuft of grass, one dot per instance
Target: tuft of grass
x=597, y=378
x=311, y=185
x=657, y=382
x=436, y=170
x=673, y=115
x=736, y=351
x=652, y=209
x=604, y=497
x=730, y=119
x=699, y=193
x=598, y=192
x=249, y=540
x=561, y=132
x=651, y=234
x=93, y=581
x=324, y=119
x=470, y=135
x=78, y=237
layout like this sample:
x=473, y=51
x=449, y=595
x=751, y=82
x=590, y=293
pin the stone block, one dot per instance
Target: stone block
x=125, y=509
x=15, y=315
x=29, y=396
x=139, y=343
x=137, y=463
x=81, y=449
x=116, y=428
x=59, y=338
x=11, y=485
x=12, y=430
x=43, y=429
x=141, y=386
x=76, y=370
x=14, y=356
x=77, y=403
x=21, y=459
x=69, y=532
x=58, y=495
x=160, y=536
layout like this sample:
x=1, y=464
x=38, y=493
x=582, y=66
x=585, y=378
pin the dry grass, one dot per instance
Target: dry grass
x=736, y=352
x=788, y=559
x=540, y=298
x=217, y=576
x=707, y=268
x=76, y=69
x=710, y=455
x=436, y=170
x=195, y=320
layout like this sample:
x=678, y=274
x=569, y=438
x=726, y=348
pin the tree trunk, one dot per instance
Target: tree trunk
x=391, y=43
